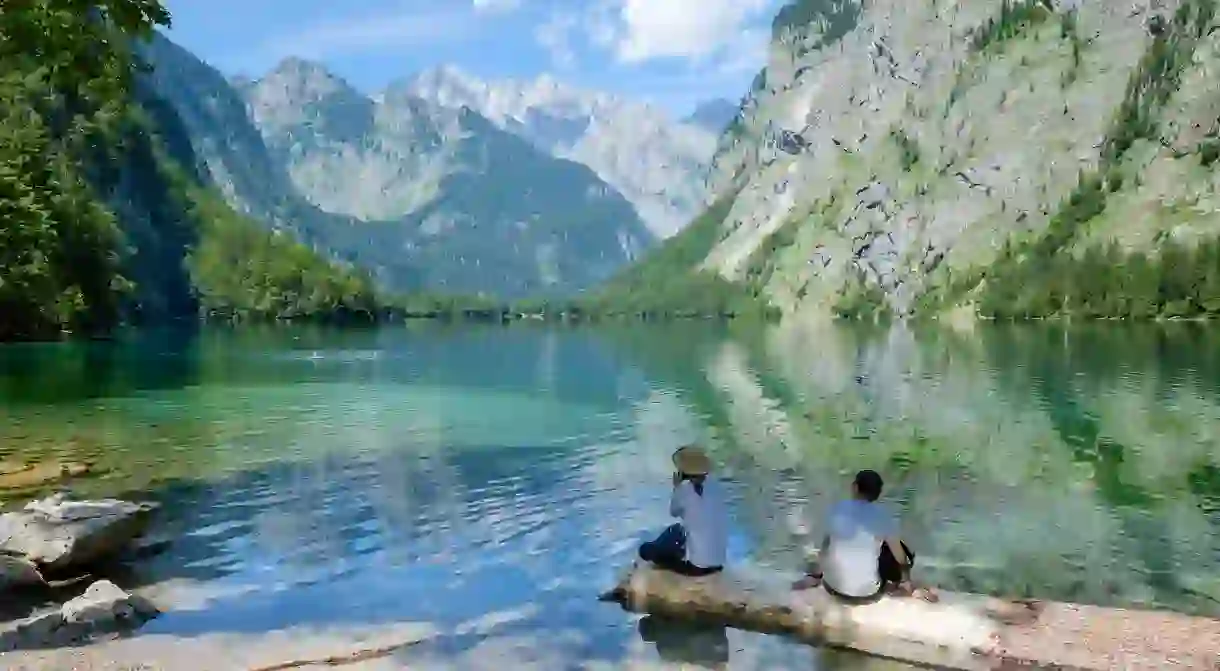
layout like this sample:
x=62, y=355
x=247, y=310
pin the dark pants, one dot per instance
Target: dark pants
x=668, y=551
x=888, y=568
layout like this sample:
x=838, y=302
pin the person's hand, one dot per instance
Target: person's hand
x=905, y=588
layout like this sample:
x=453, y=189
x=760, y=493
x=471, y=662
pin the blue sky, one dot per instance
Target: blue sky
x=673, y=52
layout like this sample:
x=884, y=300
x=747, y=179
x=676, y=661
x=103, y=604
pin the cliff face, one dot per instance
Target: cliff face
x=890, y=151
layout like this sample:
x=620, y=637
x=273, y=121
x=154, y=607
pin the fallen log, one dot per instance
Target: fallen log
x=960, y=631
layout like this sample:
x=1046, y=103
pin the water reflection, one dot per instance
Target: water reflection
x=1045, y=461
x=702, y=645
x=348, y=478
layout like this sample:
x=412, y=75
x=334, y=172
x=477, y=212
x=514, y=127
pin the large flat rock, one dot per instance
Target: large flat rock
x=58, y=534
x=961, y=631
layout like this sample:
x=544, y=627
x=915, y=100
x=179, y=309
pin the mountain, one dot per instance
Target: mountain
x=1028, y=158
x=235, y=159
x=656, y=162
x=474, y=208
x=713, y=115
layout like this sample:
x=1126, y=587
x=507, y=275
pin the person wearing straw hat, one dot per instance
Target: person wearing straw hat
x=696, y=545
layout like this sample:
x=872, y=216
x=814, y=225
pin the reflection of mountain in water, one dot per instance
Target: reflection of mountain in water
x=1067, y=463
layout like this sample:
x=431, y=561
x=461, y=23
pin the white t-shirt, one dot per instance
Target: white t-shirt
x=857, y=530
x=704, y=520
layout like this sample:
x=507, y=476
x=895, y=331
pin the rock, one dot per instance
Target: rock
x=57, y=534
x=105, y=603
x=18, y=572
x=36, y=631
x=103, y=608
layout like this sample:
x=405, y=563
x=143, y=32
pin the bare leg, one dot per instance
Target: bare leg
x=813, y=577
x=908, y=589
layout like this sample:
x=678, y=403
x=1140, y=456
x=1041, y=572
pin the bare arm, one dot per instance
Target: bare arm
x=675, y=501
x=816, y=570
x=813, y=569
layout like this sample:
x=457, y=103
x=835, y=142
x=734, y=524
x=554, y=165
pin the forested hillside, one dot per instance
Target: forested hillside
x=103, y=215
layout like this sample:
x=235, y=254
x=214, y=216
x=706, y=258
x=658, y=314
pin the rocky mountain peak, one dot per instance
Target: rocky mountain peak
x=654, y=160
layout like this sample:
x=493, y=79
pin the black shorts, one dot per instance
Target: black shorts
x=889, y=572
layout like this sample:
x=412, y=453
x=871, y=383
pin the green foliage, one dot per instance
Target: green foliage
x=1209, y=151
x=761, y=264
x=90, y=198
x=1069, y=30
x=243, y=272
x=1175, y=281
x=833, y=18
x=909, y=155
x=861, y=299
x=668, y=281
x=1014, y=19
x=63, y=92
x=1156, y=78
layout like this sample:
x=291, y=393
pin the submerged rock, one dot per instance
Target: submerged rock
x=15, y=475
x=57, y=534
x=103, y=608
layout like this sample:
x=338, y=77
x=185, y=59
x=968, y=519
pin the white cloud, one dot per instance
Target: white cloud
x=638, y=31
x=694, y=29
x=406, y=28
x=747, y=55
x=494, y=6
x=710, y=47
x=555, y=35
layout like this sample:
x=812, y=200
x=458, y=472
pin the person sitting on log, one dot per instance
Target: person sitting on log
x=862, y=555
x=696, y=545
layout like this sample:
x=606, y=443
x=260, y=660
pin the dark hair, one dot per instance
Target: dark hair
x=696, y=481
x=869, y=484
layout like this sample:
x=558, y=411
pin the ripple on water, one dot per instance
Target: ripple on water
x=443, y=481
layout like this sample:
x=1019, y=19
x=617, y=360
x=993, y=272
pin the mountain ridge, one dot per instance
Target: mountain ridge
x=659, y=163
x=365, y=182
x=989, y=160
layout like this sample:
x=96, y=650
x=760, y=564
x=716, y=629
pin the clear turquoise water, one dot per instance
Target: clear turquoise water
x=318, y=477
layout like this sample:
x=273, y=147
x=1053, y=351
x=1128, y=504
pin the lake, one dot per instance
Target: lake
x=493, y=480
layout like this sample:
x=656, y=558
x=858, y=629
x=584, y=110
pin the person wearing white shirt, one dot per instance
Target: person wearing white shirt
x=862, y=557
x=696, y=545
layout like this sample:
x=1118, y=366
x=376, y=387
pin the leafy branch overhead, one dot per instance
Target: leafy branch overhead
x=101, y=222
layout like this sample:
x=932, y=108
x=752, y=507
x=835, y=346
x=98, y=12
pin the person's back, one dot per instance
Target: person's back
x=696, y=545
x=857, y=529
x=703, y=517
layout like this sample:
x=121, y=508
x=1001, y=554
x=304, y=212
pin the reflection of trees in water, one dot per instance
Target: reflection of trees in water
x=999, y=448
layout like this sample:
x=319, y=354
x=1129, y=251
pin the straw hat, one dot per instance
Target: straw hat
x=692, y=460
